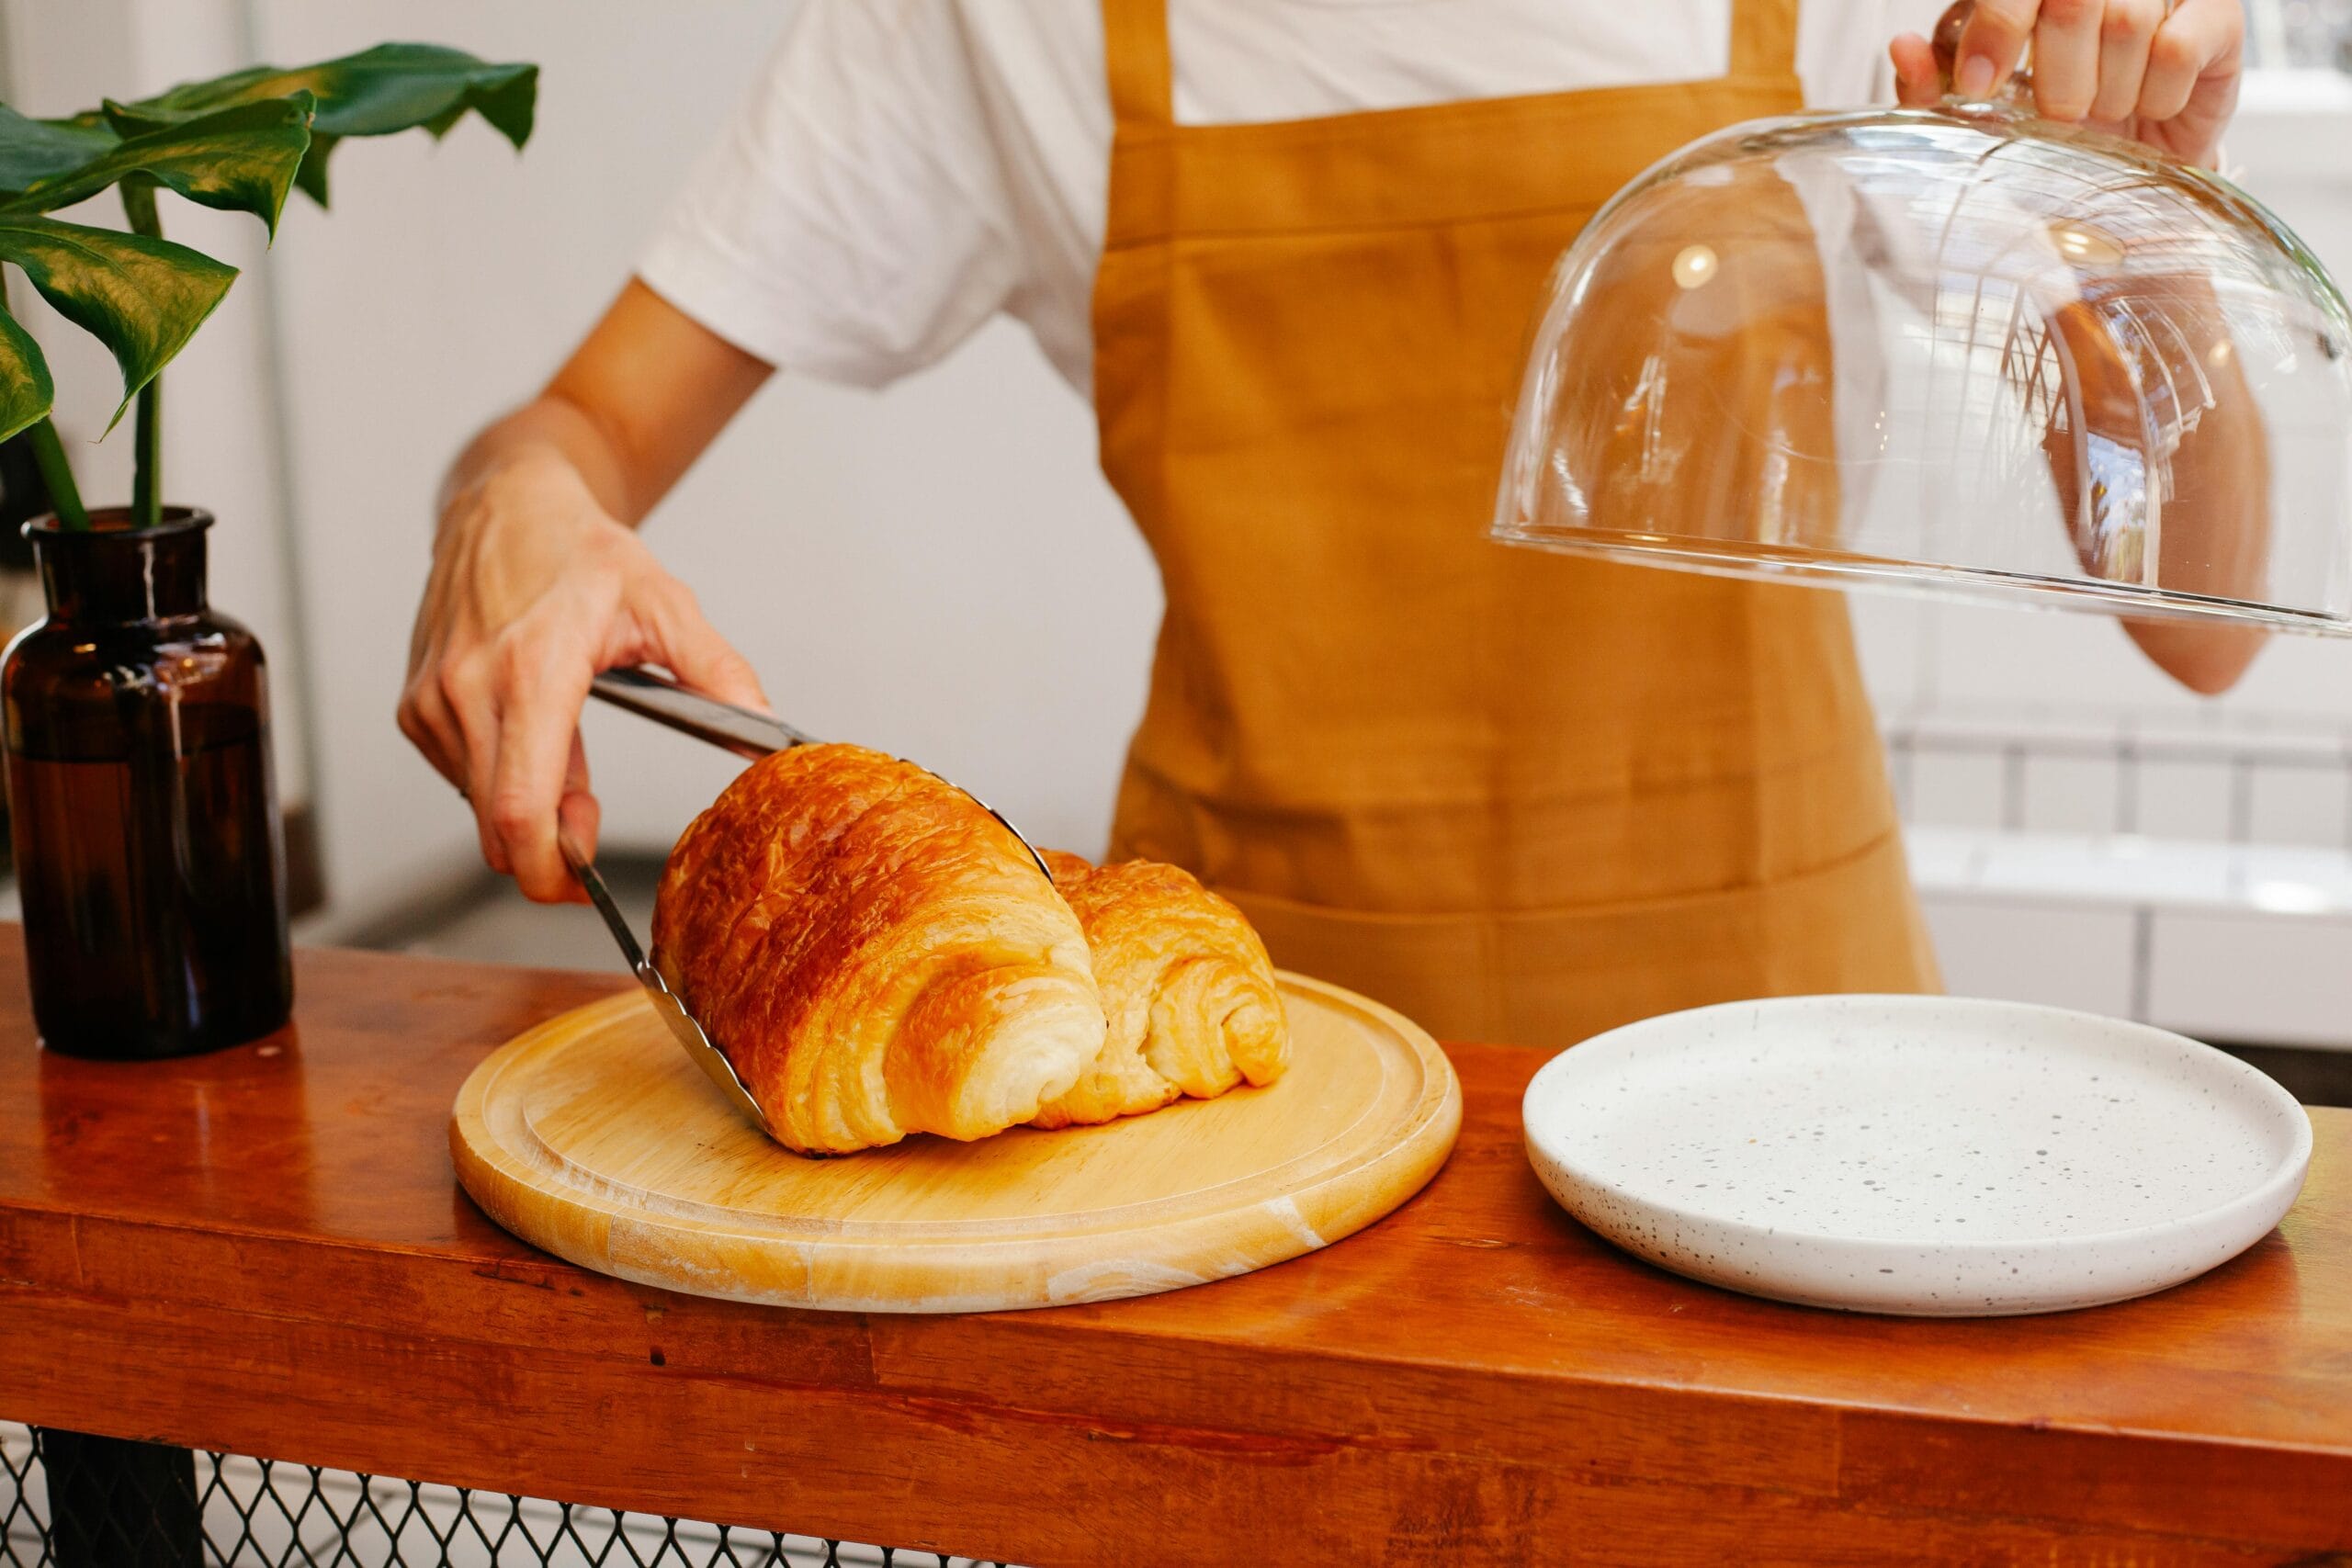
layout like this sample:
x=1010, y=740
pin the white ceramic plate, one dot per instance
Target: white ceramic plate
x=1924, y=1156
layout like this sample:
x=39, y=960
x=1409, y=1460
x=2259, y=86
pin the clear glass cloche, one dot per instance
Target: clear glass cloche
x=1958, y=347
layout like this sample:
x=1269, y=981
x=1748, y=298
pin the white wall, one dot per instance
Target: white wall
x=937, y=571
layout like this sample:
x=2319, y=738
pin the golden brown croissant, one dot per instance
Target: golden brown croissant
x=1190, y=993
x=874, y=952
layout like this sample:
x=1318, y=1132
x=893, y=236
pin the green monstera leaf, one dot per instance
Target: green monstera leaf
x=241, y=159
x=378, y=92
x=26, y=391
x=239, y=142
x=142, y=298
x=35, y=150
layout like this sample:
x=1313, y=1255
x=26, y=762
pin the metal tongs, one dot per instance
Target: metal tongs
x=747, y=734
x=683, y=1023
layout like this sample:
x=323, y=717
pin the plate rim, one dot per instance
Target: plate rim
x=2288, y=1176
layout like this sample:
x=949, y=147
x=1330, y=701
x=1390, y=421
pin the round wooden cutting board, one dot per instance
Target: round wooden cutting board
x=594, y=1137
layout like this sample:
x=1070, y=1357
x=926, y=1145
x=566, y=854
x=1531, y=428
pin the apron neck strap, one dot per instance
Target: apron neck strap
x=1763, y=39
x=1135, y=51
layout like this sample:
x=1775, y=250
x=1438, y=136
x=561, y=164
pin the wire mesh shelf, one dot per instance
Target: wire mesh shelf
x=137, y=1505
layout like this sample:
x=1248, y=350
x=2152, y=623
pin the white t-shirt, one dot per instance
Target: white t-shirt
x=905, y=169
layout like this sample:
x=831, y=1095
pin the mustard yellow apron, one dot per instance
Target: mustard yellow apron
x=1520, y=797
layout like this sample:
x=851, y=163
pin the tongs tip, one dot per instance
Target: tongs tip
x=683, y=1024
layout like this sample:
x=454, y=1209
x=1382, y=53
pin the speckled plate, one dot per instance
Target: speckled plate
x=1924, y=1156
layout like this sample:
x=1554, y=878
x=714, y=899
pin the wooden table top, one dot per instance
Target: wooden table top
x=265, y=1251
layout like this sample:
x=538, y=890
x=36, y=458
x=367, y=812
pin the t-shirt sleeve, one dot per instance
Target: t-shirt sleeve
x=851, y=220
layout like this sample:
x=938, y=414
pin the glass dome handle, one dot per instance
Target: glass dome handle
x=1945, y=41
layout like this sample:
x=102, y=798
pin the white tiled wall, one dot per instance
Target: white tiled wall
x=2188, y=800
x=2058, y=954
x=2301, y=805
x=2202, y=881
x=2198, y=876
x=2251, y=978
x=2069, y=794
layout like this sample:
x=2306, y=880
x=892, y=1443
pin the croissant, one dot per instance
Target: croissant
x=876, y=953
x=1186, y=983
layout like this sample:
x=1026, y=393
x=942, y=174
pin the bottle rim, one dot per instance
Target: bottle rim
x=113, y=523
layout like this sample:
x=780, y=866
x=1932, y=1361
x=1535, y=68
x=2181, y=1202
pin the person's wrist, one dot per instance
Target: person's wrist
x=534, y=488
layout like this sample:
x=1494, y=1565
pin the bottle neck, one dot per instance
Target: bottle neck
x=113, y=573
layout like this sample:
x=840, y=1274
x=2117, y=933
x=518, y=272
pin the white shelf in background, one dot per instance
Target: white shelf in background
x=2250, y=943
x=2123, y=871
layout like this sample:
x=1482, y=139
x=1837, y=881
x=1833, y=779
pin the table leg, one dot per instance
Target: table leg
x=114, y=1503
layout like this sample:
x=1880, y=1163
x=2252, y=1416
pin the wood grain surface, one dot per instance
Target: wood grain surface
x=595, y=1137
x=266, y=1250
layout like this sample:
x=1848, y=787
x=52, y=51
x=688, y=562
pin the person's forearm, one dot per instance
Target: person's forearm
x=2209, y=495
x=628, y=412
x=545, y=428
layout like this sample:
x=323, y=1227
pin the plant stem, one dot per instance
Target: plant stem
x=48, y=456
x=57, y=474
x=147, y=434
